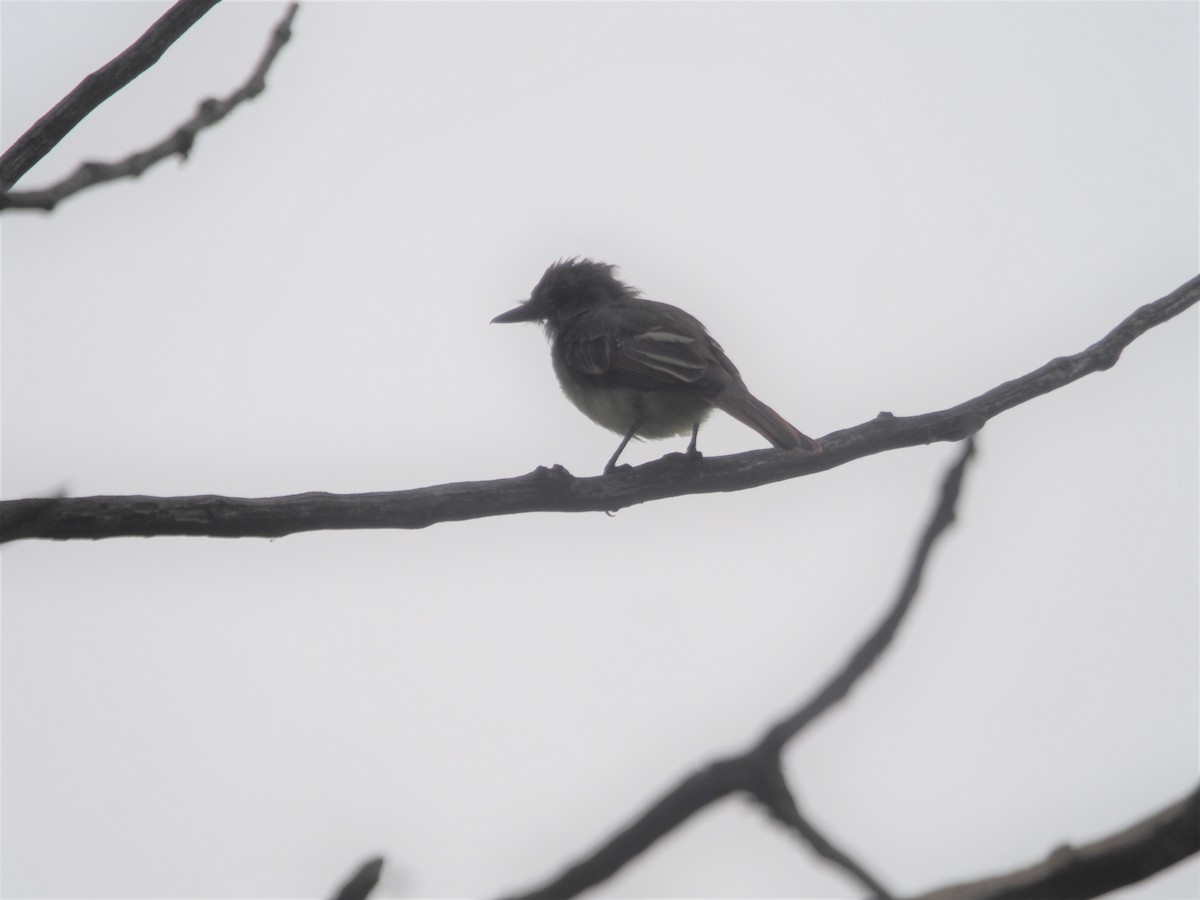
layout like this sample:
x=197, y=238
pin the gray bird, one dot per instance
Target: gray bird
x=638, y=367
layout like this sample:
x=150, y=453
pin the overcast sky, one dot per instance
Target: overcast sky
x=872, y=207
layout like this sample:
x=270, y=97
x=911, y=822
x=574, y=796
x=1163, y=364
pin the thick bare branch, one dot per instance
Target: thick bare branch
x=1095, y=869
x=555, y=489
x=103, y=83
x=758, y=772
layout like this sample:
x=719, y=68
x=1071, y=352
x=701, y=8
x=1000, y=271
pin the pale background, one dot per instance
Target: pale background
x=873, y=207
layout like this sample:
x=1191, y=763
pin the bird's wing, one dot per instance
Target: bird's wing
x=647, y=346
x=661, y=355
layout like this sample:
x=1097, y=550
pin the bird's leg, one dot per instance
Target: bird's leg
x=612, y=463
x=692, y=452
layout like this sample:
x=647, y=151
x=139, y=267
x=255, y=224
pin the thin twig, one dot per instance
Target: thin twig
x=838, y=687
x=758, y=772
x=111, y=78
x=555, y=489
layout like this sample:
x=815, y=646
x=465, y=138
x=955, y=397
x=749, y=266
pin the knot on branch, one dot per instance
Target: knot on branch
x=555, y=474
x=184, y=139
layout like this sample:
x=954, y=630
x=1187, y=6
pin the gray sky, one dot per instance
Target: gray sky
x=872, y=207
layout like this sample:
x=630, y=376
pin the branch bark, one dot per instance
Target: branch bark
x=555, y=489
x=106, y=81
x=1127, y=857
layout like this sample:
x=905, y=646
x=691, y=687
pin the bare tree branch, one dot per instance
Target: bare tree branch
x=838, y=687
x=555, y=489
x=759, y=772
x=101, y=84
x=98, y=87
x=774, y=794
x=1068, y=873
x=359, y=885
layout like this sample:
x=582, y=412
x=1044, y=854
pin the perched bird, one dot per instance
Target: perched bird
x=638, y=367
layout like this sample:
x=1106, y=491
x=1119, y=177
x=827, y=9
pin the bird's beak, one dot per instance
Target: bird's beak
x=522, y=313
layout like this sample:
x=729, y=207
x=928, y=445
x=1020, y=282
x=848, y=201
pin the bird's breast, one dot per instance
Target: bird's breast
x=663, y=414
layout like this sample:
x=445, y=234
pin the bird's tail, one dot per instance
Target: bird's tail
x=751, y=411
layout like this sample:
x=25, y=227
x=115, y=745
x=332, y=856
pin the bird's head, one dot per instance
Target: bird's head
x=569, y=287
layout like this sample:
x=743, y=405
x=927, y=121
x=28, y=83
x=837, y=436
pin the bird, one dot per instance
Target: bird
x=639, y=367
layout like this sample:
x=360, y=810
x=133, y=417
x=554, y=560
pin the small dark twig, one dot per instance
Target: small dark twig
x=359, y=885
x=758, y=772
x=45, y=134
x=555, y=489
